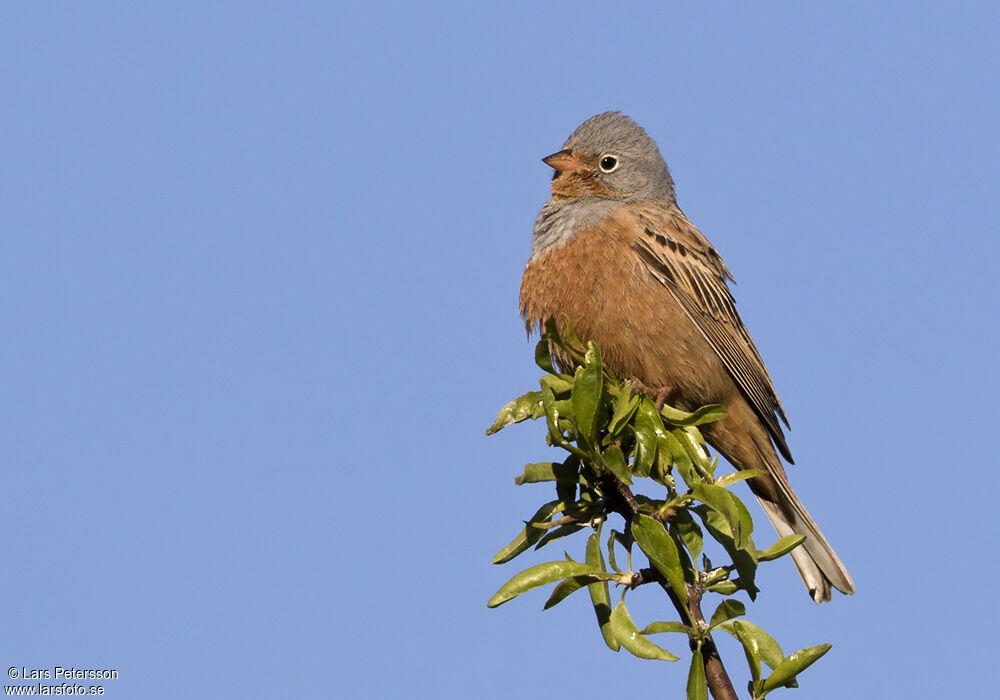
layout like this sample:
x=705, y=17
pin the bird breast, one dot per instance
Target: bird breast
x=595, y=277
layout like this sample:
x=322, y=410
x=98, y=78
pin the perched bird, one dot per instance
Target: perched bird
x=613, y=252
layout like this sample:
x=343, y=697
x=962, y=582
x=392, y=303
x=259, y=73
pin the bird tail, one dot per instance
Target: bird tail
x=818, y=565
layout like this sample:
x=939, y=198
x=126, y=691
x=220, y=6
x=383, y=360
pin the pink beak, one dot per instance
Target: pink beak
x=562, y=161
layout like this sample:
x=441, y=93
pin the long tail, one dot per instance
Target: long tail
x=818, y=565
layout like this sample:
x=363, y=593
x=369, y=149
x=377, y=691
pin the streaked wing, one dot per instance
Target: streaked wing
x=684, y=262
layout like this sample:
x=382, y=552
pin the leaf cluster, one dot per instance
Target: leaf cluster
x=614, y=437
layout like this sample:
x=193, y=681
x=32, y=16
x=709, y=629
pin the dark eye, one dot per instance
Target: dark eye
x=608, y=163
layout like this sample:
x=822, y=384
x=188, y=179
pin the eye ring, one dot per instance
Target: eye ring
x=608, y=163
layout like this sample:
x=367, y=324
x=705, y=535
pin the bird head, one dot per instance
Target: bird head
x=610, y=156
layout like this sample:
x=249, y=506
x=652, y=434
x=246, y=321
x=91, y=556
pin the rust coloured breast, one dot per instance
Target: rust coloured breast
x=599, y=281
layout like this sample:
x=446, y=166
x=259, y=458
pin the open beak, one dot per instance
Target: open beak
x=562, y=161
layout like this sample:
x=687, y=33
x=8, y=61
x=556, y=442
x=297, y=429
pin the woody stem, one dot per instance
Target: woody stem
x=621, y=500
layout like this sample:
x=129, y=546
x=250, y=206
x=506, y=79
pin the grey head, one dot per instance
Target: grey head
x=622, y=158
x=606, y=163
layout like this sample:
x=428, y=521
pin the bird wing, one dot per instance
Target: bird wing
x=682, y=260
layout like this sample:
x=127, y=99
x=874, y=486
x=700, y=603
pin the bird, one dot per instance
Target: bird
x=613, y=253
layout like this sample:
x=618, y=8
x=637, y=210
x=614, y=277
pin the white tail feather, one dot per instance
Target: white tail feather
x=818, y=565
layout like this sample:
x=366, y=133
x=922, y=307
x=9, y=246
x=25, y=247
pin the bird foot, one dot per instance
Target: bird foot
x=660, y=395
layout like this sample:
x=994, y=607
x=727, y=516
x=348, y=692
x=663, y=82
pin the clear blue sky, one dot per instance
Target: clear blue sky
x=258, y=278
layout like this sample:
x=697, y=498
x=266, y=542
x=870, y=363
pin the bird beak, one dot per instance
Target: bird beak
x=562, y=161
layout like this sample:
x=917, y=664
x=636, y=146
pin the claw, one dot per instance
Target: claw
x=660, y=395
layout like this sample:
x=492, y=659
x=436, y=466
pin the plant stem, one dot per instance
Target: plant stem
x=620, y=499
x=715, y=673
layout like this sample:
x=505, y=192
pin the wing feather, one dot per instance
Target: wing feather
x=684, y=262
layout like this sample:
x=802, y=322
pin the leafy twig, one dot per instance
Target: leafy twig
x=615, y=437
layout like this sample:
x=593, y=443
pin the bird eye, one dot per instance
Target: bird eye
x=608, y=163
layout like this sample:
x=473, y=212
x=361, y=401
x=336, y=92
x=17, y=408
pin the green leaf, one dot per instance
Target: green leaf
x=548, y=471
x=696, y=688
x=558, y=383
x=793, y=666
x=661, y=627
x=659, y=546
x=694, y=443
x=625, y=407
x=767, y=647
x=552, y=416
x=723, y=588
x=745, y=524
x=626, y=542
x=569, y=339
x=688, y=531
x=730, y=508
x=587, y=387
x=614, y=460
x=565, y=588
x=626, y=632
x=599, y=595
x=549, y=406
x=565, y=491
x=727, y=610
x=646, y=428
x=530, y=534
x=705, y=414
x=735, y=477
x=670, y=448
x=564, y=408
x=520, y=409
x=781, y=547
x=751, y=647
x=544, y=573
x=721, y=501
x=543, y=355
x=743, y=559
x=559, y=533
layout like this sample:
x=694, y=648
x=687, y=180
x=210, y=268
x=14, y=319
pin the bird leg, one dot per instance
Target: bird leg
x=660, y=395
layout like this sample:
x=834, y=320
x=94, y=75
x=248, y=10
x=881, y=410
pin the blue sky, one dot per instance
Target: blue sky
x=259, y=270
